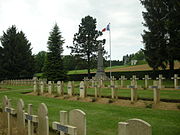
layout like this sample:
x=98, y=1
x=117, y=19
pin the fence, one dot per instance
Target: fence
x=22, y=82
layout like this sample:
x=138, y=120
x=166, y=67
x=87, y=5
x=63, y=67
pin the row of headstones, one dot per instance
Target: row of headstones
x=134, y=78
x=18, y=82
x=40, y=87
x=133, y=87
x=72, y=123
x=97, y=89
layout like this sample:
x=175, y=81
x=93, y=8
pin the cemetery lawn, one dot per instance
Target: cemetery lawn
x=102, y=119
x=141, y=67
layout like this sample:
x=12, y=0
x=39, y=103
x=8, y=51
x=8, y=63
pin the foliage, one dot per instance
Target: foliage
x=139, y=56
x=40, y=61
x=161, y=39
x=113, y=63
x=74, y=62
x=16, y=56
x=85, y=42
x=54, y=69
x=178, y=106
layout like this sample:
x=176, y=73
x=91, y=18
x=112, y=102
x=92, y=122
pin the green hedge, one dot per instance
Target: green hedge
x=128, y=74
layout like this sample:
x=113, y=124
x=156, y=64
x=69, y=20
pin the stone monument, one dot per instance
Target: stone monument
x=100, y=74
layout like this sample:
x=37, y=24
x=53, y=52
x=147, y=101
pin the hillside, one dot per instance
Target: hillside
x=122, y=68
x=138, y=68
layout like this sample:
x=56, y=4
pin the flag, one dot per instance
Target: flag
x=107, y=28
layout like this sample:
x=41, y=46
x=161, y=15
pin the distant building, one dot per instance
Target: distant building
x=134, y=62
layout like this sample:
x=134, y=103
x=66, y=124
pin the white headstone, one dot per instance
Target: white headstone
x=82, y=89
x=69, y=88
x=77, y=118
x=49, y=87
x=20, y=117
x=134, y=127
x=43, y=124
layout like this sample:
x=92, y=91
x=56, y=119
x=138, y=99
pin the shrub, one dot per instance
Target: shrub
x=94, y=99
x=178, y=106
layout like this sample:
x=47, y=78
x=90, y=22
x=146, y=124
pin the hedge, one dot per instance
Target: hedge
x=128, y=74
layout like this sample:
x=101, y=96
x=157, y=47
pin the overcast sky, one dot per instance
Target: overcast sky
x=36, y=19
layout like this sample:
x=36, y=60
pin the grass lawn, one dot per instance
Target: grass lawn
x=84, y=71
x=102, y=119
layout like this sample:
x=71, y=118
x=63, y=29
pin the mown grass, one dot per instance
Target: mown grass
x=102, y=119
x=84, y=71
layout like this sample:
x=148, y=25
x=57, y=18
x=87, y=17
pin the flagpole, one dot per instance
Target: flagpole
x=110, y=48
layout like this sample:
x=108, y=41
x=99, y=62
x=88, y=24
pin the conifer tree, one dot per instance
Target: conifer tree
x=161, y=39
x=16, y=55
x=54, y=69
x=85, y=42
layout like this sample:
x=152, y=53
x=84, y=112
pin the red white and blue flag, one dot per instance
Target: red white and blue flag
x=107, y=28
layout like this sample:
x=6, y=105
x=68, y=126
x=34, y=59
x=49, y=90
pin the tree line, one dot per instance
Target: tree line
x=17, y=60
x=161, y=45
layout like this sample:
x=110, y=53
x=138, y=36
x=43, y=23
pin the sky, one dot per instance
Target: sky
x=36, y=19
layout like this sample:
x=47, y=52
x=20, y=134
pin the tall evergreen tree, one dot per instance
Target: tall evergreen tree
x=16, y=55
x=54, y=69
x=162, y=37
x=85, y=42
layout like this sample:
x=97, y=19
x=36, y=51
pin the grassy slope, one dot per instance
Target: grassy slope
x=105, y=117
x=122, y=68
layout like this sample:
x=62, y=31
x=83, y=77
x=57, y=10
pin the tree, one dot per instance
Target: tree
x=162, y=37
x=54, y=69
x=74, y=62
x=16, y=56
x=85, y=42
x=40, y=61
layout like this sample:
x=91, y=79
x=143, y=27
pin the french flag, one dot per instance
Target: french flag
x=107, y=28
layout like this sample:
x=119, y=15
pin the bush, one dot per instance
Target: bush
x=94, y=99
x=149, y=105
x=178, y=106
x=111, y=101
